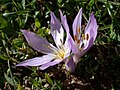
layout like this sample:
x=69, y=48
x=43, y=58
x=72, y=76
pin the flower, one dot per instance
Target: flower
x=79, y=45
x=53, y=54
x=83, y=40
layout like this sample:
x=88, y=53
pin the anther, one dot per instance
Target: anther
x=82, y=45
x=61, y=41
x=87, y=36
x=78, y=30
x=76, y=38
x=78, y=41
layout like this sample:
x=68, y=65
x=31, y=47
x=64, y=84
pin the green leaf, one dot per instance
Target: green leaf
x=37, y=24
x=48, y=79
x=113, y=35
x=118, y=37
x=10, y=81
x=91, y=3
x=60, y=1
x=59, y=85
x=34, y=82
x=23, y=4
x=16, y=43
x=4, y=57
x=3, y=23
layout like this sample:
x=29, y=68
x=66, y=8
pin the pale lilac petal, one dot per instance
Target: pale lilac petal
x=74, y=47
x=70, y=65
x=58, y=37
x=37, y=61
x=38, y=43
x=77, y=23
x=67, y=44
x=55, y=23
x=52, y=63
x=64, y=21
x=91, y=30
x=66, y=27
x=88, y=46
x=56, y=30
x=92, y=27
x=67, y=47
x=76, y=57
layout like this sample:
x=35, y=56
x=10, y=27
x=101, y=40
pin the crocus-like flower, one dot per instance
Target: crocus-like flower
x=83, y=40
x=79, y=45
x=53, y=54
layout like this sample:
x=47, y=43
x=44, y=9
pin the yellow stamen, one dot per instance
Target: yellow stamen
x=60, y=54
x=83, y=36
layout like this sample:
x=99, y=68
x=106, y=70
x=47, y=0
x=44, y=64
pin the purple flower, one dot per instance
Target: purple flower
x=53, y=54
x=82, y=42
x=83, y=39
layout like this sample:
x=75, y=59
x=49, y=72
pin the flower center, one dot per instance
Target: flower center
x=60, y=53
x=81, y=42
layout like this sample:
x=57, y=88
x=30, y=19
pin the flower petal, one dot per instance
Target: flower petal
x=74, y=47
x=67, y=46
x=55, y=23
x=88, y=46
x=52, y=63
x=76, y=57
x=77, y=24
x=58, y=37
x=68, y=38
x=70, y=65
x=38, y=43
x=91, y=30
x=64, y=21
x=37, y=61
x=56, y=30
x=92, y=27
x=66, y=27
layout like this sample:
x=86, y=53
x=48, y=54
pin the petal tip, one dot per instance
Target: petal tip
x=22, y=30
x=92, y=16
x=81, y=9
x=18, y=65
x=51, y=13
